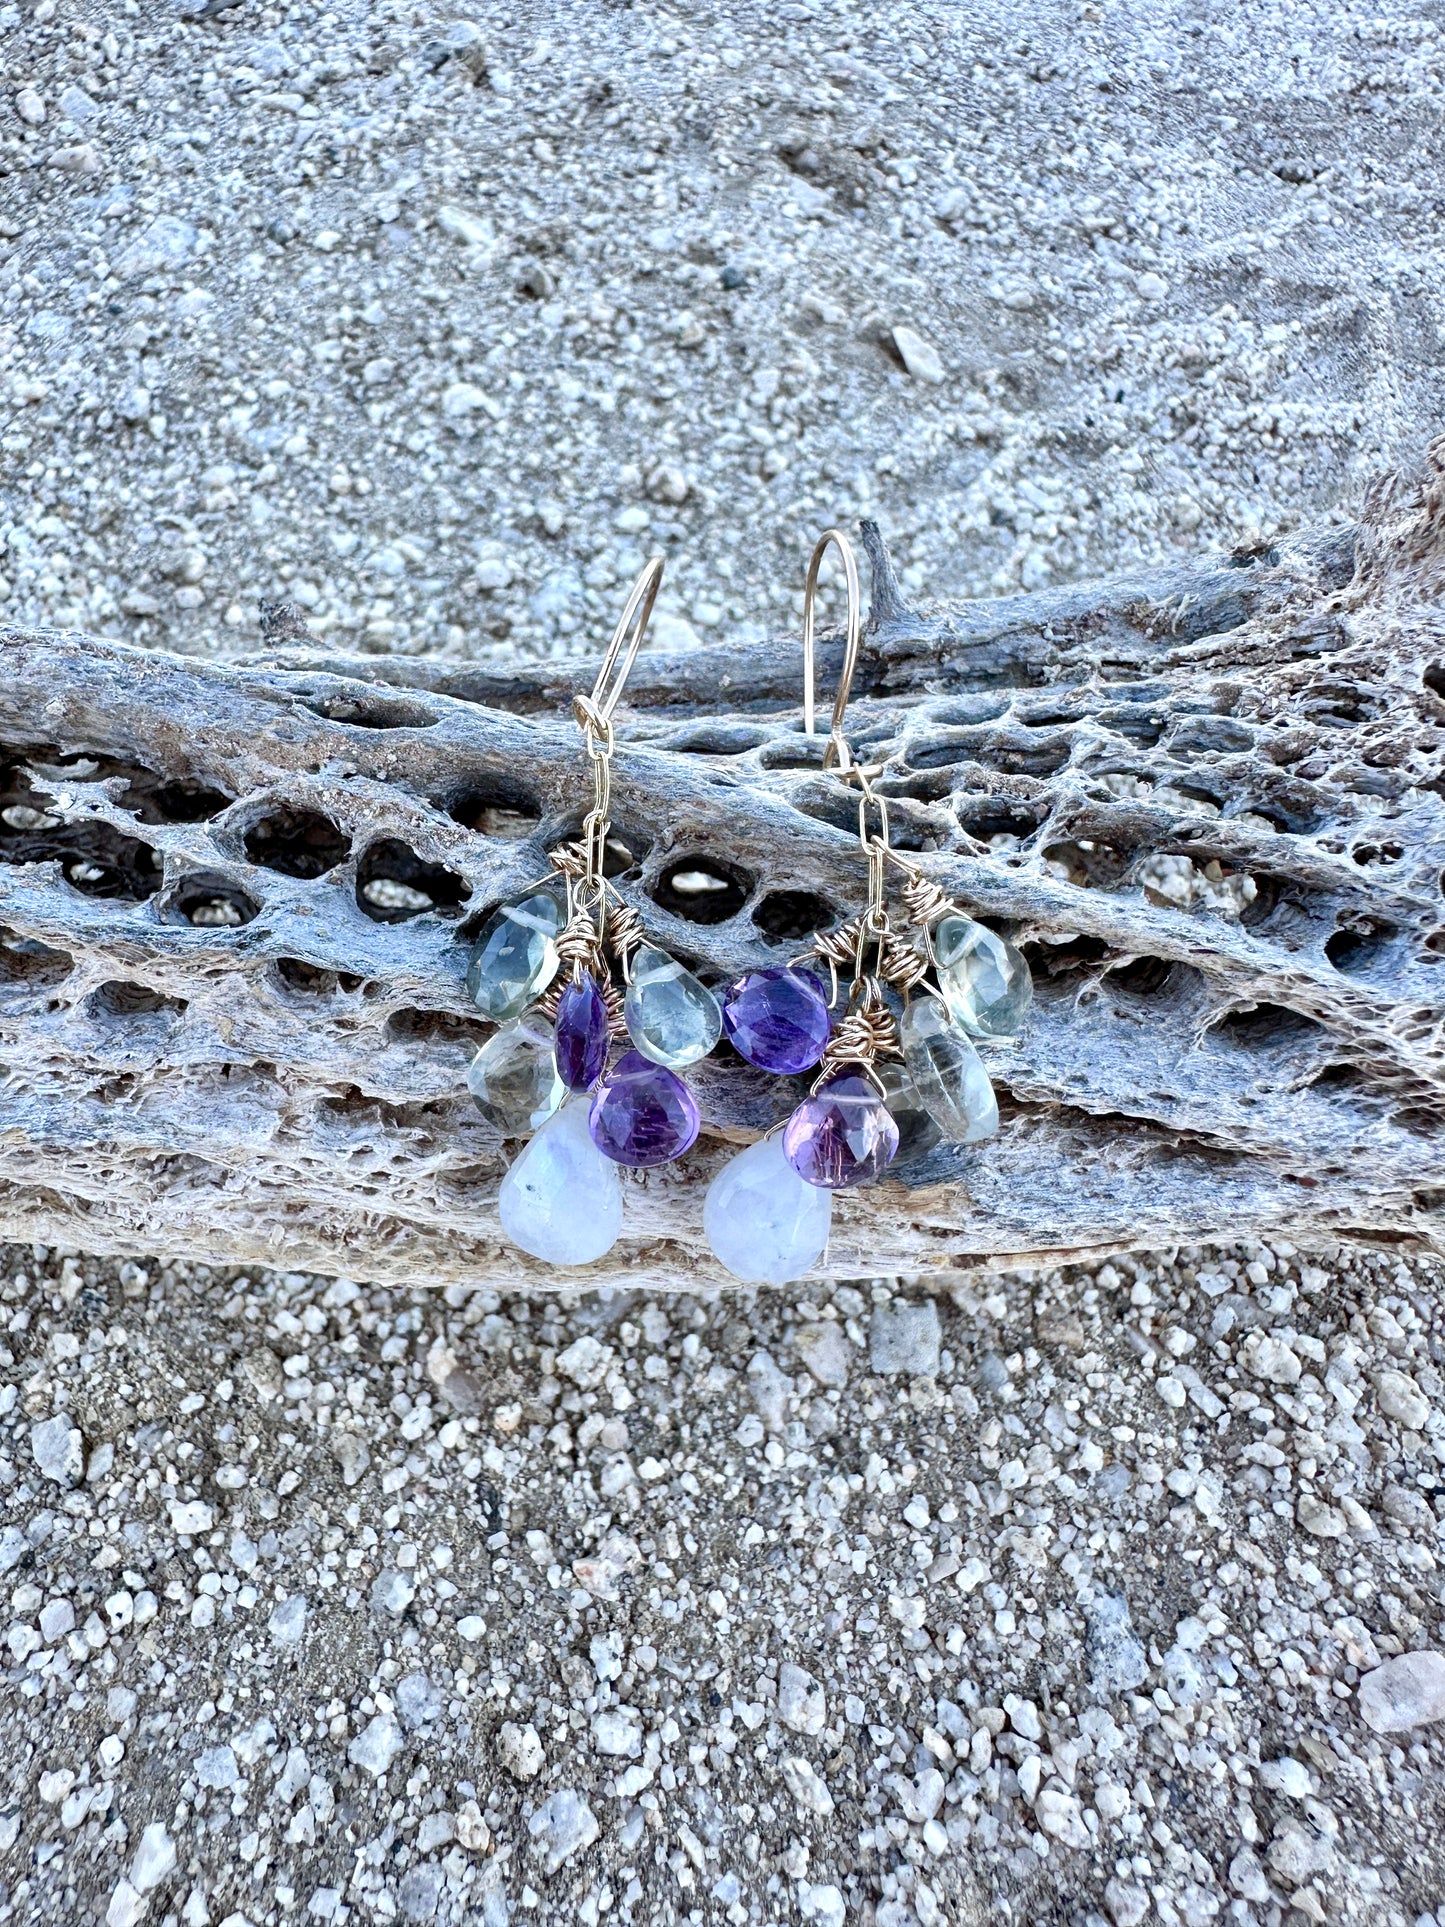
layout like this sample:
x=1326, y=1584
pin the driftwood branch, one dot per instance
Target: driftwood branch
x=1209, y=803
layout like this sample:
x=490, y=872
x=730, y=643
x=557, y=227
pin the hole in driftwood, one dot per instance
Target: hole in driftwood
x=297, y=842
x=26, y=960
x=1355, y=950
x=1061, y=959
x=1141, y=976
x=410, y=1026
x=371, y=712
x=988, y=820
x=121, y=999
x=211, y=901
x=502, y=810
x=311, y=980
x=1262, y=1026
x=101, y=862
x=702, y=889
x=1435, y=679
x=789, y=915
x=1089, y=864
x=394, y=884
x=154, y=801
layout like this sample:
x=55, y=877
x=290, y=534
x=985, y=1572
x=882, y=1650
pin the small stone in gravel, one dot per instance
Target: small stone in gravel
x=921, y=1797
x=392, y=1592
x=191, y=1516
x=919, y=356
x=352, y=1455
x=562, y=1826
x=56, y=1445
x=1288, y=1776
x=1127, y=1904
x=376, y=1745
x=801, y=1704
x=155, y=1858
x=288, y=1620
x=806, y=1787
x=824, y=1350
x=1404, y=1692
x=420, y=1891
x=127, y=1906
x=1117, y=1660
x=57, y=1617
x=418, y=1701
x=1324, y=1521
x=1402, y=1400
x=905, y=1336
x=617, y=1732
x=217, y=1768
x=520, y=1750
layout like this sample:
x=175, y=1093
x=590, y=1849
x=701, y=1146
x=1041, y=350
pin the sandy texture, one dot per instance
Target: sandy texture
x=435, y=326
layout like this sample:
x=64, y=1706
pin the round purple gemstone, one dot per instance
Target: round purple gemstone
x=841, y=1135
x=778, y=1019
x=642, y=1113
x=581, y=1035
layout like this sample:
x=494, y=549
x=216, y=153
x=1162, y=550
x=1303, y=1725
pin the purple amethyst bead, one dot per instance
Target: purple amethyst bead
x=642, y=1113
x=778, y=1019
x=581, y=1048
x=841, y=1135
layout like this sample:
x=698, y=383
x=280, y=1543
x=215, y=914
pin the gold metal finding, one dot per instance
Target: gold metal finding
x=596, y=915
x=837, y=750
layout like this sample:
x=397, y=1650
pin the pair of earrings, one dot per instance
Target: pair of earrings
x=895, y=1061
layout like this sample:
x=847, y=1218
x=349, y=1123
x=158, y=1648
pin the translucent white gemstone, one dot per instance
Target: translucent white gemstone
x=513, y=1077
x=985, y=982
x=762, y=1221
x=671, y=1017
x=562, y=1200
x=947, y=1073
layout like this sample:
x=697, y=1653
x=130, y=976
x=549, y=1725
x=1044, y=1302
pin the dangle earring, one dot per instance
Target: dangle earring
x=562, y=1199
x=884, y=1080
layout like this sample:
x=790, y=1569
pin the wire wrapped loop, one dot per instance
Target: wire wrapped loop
x=837, y=753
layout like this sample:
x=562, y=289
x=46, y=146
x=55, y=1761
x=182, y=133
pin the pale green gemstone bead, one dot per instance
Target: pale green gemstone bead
x=513, y=1077
x=947, y=1073
x=984, y=981
x=515, y=956
x=917, y=1131
x=671, y=1017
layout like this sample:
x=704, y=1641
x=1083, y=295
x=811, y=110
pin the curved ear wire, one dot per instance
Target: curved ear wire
x=837, y=750
x=596, y=710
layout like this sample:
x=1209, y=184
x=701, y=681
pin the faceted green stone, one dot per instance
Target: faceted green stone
x=515, y=956
x=917, y=1131
x=671, y=1017
x=984, y=981
x=513, y=1077
x=947, y=1073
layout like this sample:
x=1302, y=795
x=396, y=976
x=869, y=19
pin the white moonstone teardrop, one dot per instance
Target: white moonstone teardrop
x=947, y=1073
x=762, y=1222
x=562, y=1200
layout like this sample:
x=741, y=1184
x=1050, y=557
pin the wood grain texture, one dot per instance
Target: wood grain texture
x=1210, y=804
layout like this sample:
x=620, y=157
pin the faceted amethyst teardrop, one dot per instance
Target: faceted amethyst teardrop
x=777, y=1019
x=841, y=1135
x=581, y=1035
x=642, y=1113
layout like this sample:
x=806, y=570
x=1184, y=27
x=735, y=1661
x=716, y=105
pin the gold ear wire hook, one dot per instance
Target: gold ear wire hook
x=594, y=713
x=837, y=750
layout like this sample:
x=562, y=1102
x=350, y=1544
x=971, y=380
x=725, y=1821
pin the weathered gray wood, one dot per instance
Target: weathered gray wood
x=178, y=1088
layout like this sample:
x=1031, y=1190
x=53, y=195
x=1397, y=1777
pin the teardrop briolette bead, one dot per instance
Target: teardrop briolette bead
x=842, y=1135
x=671, y=1017
x=562, y=1200
x=917, y=1130
x=778, y=1019
x=581, y=1034
x=947, y=1073
x=515, y=956
x=643, y=1114
x=984, y=981
x=513, y=1076
x=762, y=1222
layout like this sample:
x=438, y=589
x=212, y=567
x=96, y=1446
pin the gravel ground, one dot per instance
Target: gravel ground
x=1047, y=1599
